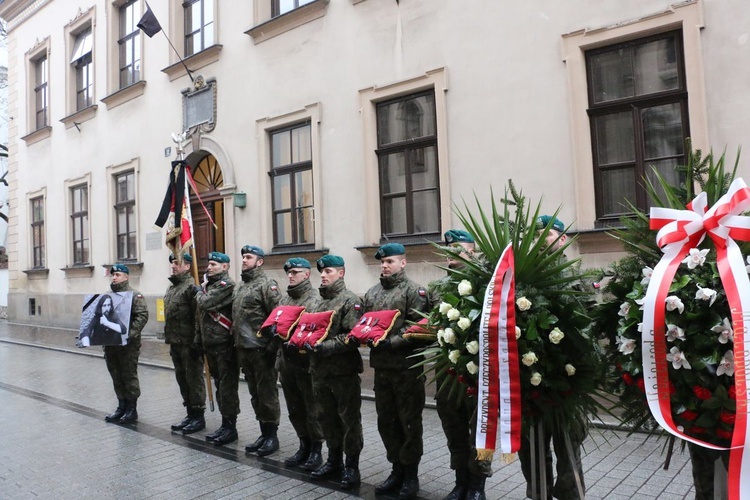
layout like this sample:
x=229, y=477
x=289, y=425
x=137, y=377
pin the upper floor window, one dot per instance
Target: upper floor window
x=125, y=216
x=279, y=7
x=83, y=64
x=292, y=186
x=79, y=216
x=639, y=119
x=408, y=165
x=199, y=25
x=41, y=92
x=129, y=44
x=37, y=232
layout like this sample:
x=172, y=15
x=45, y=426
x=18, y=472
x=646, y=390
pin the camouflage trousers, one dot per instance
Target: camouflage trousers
x=399, y=401
x=301, y=403
x=225, y=372
x=122, y=363
x=188, y=370
x=340, y=401
x=703, y=461
x=459, y=420
x=259, y=367
x=565, y=485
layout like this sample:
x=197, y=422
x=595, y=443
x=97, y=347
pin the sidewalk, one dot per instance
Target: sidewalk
x=66, y=390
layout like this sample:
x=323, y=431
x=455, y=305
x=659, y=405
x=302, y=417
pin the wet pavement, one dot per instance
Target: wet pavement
x=55, y=443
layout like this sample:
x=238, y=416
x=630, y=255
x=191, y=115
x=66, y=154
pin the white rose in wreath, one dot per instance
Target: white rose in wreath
x=465, y=288
x=529, y=358
x=453, y=314
x=444, y=308
x=449, y=336
x=570, y=370
x=523, y=304
x=556, y=335
x=472, y=367
x=464, y=323
x=453, y=356
x=472, y=347
x=536, y=378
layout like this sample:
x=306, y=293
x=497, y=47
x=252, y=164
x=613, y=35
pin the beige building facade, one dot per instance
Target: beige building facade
x=320, y=126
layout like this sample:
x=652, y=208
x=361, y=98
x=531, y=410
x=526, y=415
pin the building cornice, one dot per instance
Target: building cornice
x=14, y=12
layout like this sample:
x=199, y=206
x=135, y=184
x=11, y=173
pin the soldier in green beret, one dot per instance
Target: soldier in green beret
x=122, y=361
x=214, y=321
x=179, y=334
x=294, y=372
x=399, y=389
x=458, y=419
x=254, y=299
x=335, y=366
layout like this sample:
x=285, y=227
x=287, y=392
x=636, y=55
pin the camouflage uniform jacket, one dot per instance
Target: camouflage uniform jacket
x=179, y=310
x=138, y=311
x=217, y=299
x=253, y=301
x=306, y=296
x=396, y=292
x=435, y=290
x=334, y=357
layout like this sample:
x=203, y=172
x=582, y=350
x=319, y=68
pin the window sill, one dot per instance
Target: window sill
x=80, y=116
x=355, y=2
x=279, y=256
x=79, y=271
x=194, y=62
x=124, y=94
x=288, y=21
x=418, y=248
x=136, y=268
x=37, y=135
x=38, y=273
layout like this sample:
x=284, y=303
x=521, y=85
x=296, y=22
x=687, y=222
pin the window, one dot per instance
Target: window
x=37, y=232
x=79, y=217
x=408, y=165
x=199, y=25
x=279, y=7
x=83, y=65
x=129, y=44
x=125, y=216
x=292, y=186
x=41, y=92
x=638, y=113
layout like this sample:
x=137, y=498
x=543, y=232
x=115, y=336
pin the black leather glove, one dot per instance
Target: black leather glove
x=383, y=344
x=197, y=288
x=308, y=347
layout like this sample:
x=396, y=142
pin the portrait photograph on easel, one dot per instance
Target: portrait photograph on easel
x=105, y=319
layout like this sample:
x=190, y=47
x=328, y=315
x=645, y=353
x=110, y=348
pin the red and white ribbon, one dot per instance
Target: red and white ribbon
x=499, y=385
x=679, y=231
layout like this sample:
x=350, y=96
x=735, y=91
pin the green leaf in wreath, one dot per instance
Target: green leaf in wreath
x=531, y=331
x=680, y=283
x=707, y=420
x=711, y=403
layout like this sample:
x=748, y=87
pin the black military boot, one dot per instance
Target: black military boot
x=462, y=484
x=219, y=431
x=393, y=482
x=410, y=486
x=116, y=415
x=271, y=442
x=350, y=478
x=476, y=488
x=253, y=447
x=301, y=455
x=314, y=459
x=229, y=435
x=185, y=421
x=332, y=467
x=197, y=423
x=131, y=414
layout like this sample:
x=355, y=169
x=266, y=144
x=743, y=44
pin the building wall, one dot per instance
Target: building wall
x=506, y=88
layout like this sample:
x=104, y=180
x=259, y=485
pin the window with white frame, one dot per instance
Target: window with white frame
x=292, y=186
x=41, y=91
x=129, y=43
x=37, y=233
x=125, y=224
x=83, y=65
x=199, y=25
x=279, y=7
x=79, y=218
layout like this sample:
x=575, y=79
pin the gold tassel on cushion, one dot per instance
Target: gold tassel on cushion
x=484, y=454
x=508, y=458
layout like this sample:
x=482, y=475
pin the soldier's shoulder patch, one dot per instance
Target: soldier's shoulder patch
x=139, y=296
x=357, y=306
x=222, y=283
x=422, y=292
x=274, y=288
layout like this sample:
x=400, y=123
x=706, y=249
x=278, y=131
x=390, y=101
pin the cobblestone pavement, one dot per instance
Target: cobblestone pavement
x=55, y=443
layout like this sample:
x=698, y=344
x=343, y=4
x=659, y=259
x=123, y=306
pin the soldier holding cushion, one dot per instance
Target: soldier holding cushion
x=399, y=389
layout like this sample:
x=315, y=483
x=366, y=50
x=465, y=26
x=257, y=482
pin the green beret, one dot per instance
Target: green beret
x=253, y=250
x=185, y=257
x=457, y=236
x=219, y=257
x=296, y=262
x=119, y=268
x=330, y=261
x=545, y=221
x=389, y=250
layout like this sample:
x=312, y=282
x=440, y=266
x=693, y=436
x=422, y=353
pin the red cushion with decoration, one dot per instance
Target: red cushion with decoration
x=312, y=329
x=373, y=326
x=282, y=321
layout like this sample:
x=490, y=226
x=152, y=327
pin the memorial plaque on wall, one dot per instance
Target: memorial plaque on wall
x=199, y=105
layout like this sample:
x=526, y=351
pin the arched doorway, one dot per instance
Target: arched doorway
x=208, y=180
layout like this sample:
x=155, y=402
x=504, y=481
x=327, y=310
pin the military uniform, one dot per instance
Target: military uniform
x=296, y=382
x=122, y=361
x=214, y=304
x=179, y=334
x=254, y=299
x=335, y=367
x=399, y=389
x=703, y=462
